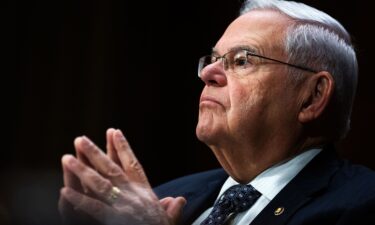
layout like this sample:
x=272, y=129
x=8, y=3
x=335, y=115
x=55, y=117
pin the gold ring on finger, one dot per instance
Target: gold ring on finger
x=113, y=194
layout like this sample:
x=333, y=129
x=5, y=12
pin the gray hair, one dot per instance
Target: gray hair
x=318, y=41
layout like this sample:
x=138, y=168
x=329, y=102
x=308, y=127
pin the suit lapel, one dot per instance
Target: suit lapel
x=201, y=199
x=309, y=182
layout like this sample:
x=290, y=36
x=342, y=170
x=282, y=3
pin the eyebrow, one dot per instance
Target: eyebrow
x=236, y=48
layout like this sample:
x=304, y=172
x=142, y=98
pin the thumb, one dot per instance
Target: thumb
x=173, y=208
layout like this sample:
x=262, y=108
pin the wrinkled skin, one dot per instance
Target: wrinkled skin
x=89, y=180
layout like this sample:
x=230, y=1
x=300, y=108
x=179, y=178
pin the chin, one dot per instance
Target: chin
x=202, y=133
x=206, y=134
x=209, y=127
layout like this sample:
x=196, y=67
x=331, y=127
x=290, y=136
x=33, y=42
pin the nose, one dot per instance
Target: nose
x=214, y=75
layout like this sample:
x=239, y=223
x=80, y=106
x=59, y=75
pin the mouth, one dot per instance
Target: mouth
x=209, y=100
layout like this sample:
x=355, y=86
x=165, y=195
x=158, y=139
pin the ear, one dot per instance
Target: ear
x=319, y=90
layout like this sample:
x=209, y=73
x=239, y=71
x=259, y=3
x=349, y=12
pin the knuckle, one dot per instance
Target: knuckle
x=113, y=171
x=135, y=165
x=103, y=187
x=96, y=152
x=124, y=144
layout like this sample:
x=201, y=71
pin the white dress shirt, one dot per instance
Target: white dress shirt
x=269, y=183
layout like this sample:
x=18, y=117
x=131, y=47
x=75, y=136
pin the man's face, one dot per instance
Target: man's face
x=248, y=109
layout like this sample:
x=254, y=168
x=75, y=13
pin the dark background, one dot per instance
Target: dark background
x=79, y=67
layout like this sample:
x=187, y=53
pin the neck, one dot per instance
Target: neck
x=244, y=162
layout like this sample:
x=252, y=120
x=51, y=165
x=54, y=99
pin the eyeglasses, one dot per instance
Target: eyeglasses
x=238, y=60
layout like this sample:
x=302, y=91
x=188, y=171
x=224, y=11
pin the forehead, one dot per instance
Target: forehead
x=263, y=30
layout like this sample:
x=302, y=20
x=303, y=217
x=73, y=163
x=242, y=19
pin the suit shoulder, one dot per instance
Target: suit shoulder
x=190, y=183
x=358, y=173
x=352, y=186
x=357, y=177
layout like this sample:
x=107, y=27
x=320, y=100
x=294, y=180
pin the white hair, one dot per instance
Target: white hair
x=318, y=41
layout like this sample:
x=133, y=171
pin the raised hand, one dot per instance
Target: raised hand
x=114, y=189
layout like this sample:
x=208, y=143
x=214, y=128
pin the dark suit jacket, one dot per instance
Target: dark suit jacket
x=327, y=191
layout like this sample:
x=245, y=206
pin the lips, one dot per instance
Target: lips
x=209, y=100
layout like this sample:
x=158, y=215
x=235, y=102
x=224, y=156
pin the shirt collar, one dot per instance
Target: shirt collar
x=271, y=181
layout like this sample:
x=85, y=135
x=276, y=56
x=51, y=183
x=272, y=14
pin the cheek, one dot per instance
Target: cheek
x=247, y=100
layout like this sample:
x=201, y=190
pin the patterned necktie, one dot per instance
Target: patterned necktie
x=236, y=199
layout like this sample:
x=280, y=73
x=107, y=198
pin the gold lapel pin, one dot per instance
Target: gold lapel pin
x=278, y=211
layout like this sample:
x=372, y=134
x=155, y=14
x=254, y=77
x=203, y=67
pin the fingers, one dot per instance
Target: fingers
x=130, y=163
x=120, y=158
x=70, y=180
x=99, y=160
x=111, y=151
x=137, y=212
x=173, y=207
x=164, y=202
x=63, y=206
x=101, y=173
x=69, y=215
x=97, y=209
x=99, y=185
x=84, y=160
x=80, y=155
x=65, y=209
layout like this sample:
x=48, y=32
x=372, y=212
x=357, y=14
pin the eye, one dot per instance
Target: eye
x=241, y=60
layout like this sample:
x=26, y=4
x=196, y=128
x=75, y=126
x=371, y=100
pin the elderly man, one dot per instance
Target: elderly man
x=279, y=88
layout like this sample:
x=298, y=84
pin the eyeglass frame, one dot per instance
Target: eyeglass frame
x=248, y=52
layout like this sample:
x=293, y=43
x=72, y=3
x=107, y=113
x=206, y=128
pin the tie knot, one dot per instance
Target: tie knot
x=236, y=199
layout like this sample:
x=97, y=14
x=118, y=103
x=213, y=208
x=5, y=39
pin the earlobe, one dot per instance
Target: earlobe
x=320, y=88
